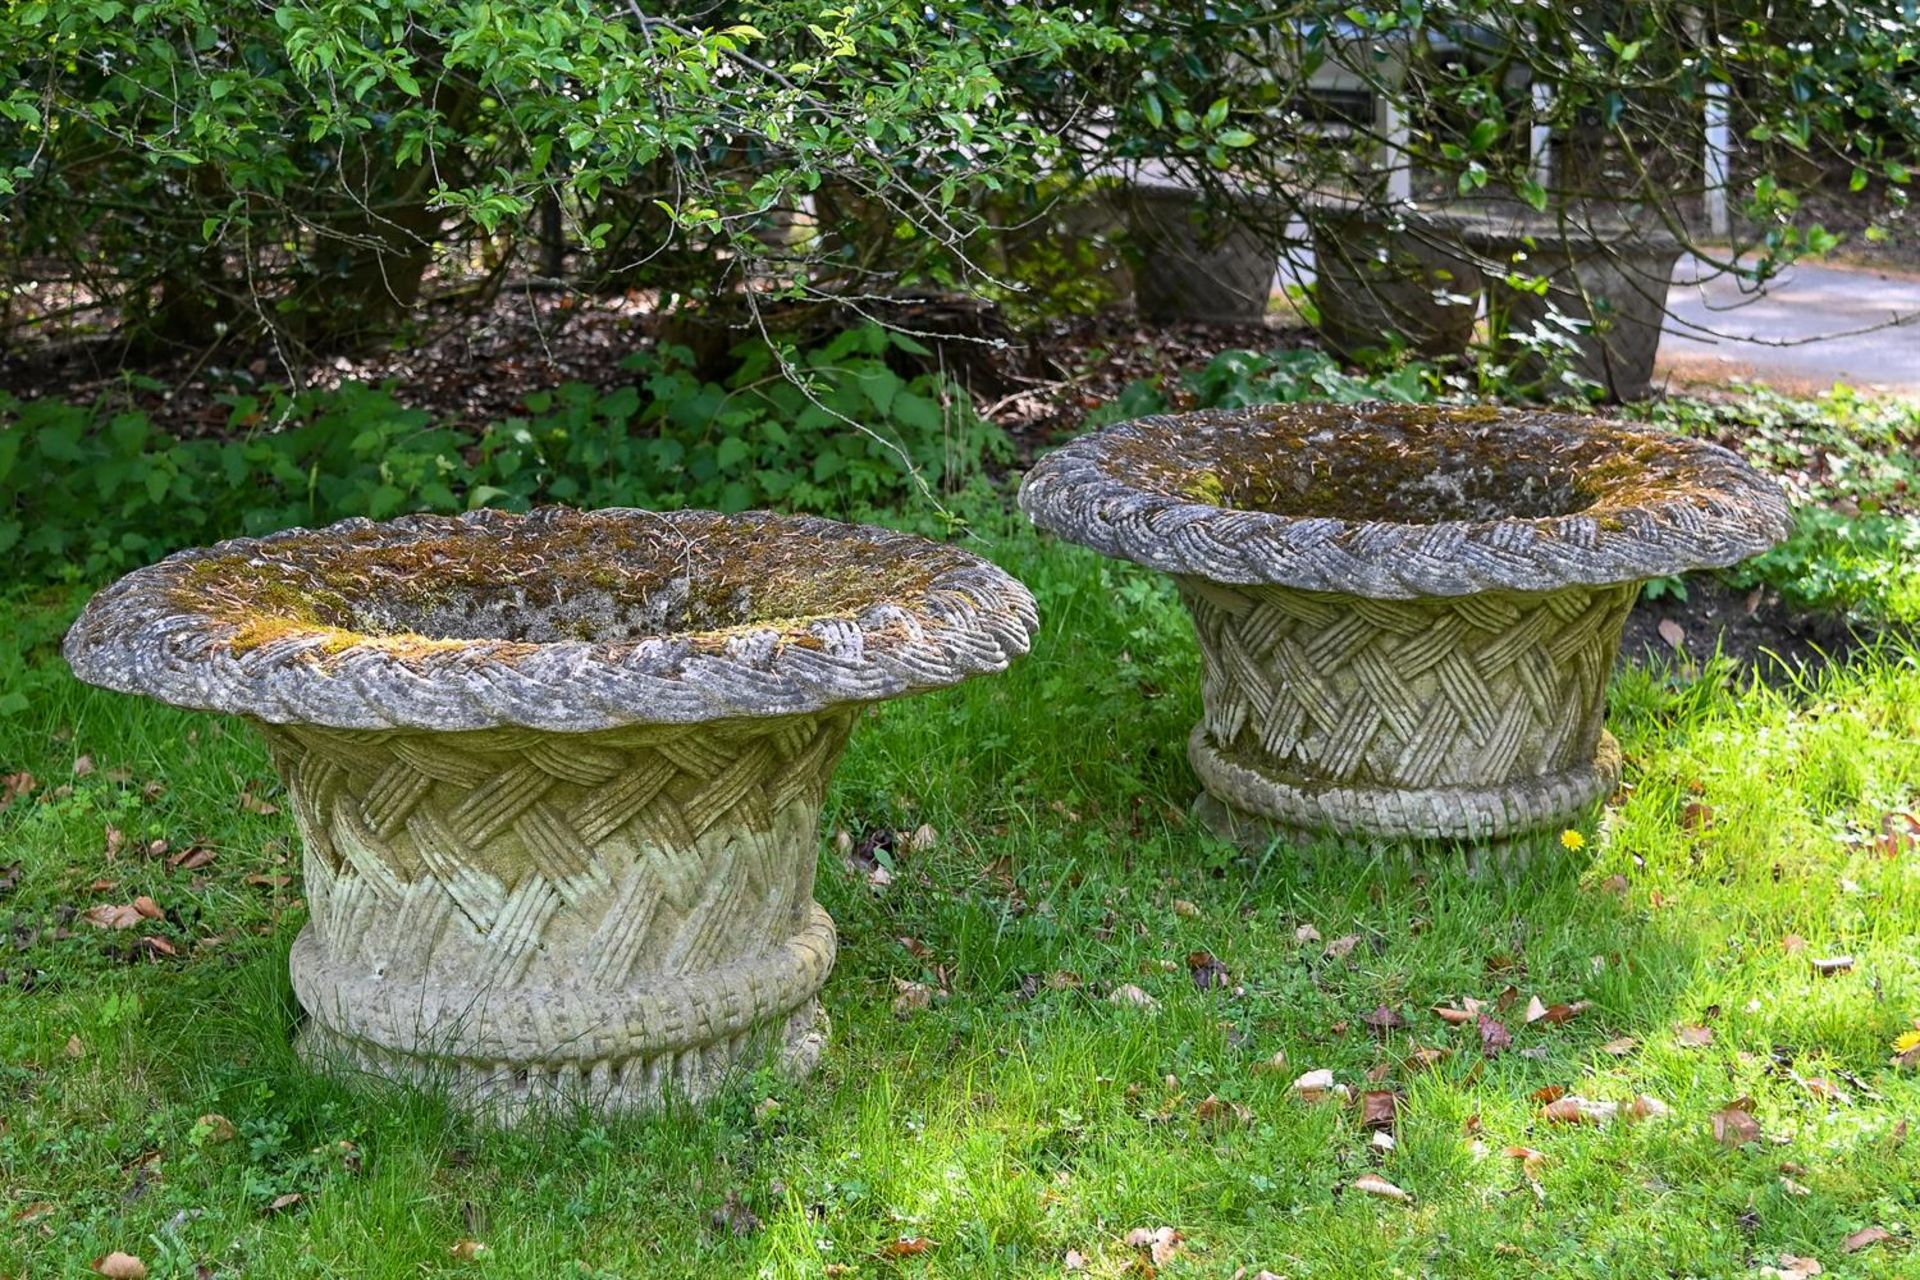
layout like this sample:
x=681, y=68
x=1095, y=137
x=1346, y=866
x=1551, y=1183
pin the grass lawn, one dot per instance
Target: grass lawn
x=988, y=1107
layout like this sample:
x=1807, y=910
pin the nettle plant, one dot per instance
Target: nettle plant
x=208, y=167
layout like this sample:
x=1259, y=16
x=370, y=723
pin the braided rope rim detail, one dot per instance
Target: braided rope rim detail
x=969, y=618
x=1690, y=505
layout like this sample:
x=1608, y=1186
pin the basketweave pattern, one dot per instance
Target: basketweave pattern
x=658, y=851
x=1461, y=692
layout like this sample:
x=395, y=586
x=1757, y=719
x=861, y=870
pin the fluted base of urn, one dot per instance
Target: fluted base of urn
x=508, y=1052
x=1253, y=806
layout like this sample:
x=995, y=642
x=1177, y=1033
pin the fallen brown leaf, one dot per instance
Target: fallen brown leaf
x=1454, y=1017
x=1428, y=1059
x=1384, y=1020
x=1734, y=1125
x=1130, y=996
x=1340, y=948
x=1864, y=1237
x=1379, y=1109
x=1494, y=1036
x=1899, y=833
x=1620, y=1048
x=117, y=1265
x=467, y=1250
x=1374, y=1185
x=1206, y=971
x=1215, y=1114
x=1531, y=1161
x=216, y=1128
x=1161, y=1243
x=1574, y=1109
x=910, y=997
x=1306, y=934
x=1186, y=910
x=1673, y=633
x=191, y=858
x=117, y=916
x=906, y=1247
x=1792, y=1268
x=1691, y=1037
x=149, y=908
x=1793, y=944
x=283, y=1203
x=82, y=766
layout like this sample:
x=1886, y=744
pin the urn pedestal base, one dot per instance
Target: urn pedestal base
x=1508, y=823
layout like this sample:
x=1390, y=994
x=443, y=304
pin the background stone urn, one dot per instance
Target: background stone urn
x=1606, y=270
x=1194, y=263
x=1407, y=615
x=558, y=776
x=1377, y=281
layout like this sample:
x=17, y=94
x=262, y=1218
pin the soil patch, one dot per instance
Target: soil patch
x=1758, y=629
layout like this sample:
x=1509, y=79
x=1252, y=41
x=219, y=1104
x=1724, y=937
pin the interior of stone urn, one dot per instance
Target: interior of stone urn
x=1401, y=464
x=604, y=578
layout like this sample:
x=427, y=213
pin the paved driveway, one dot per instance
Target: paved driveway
x=1813, y=327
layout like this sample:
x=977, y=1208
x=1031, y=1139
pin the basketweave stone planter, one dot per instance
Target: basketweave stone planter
x=1407, y=615
x=1609, y=273
x=1409, y=281
x=1192, y=266
x=558, y=776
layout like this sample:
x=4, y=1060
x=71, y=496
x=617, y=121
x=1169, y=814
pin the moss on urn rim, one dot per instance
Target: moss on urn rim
x=558, y=619
x=1399, y=501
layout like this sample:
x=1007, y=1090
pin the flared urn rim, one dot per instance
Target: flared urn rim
x=558, y=620
x=1401, y=502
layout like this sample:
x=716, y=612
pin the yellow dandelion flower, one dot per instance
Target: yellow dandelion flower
x=1908, y=1042
x=1573, y=839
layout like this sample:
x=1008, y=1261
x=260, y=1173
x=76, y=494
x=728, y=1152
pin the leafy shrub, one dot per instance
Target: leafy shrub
x=835, y=430
x=1240, y=379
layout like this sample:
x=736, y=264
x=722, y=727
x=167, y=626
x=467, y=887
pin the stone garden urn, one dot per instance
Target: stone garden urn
x=1196, y=264
x=1407, y=615
x=558, y=776
x=1382, y=282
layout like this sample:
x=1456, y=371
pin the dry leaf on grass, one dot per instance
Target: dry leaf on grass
x=1494, y=1036
x=1130, y=996
x=1379, y=1109
x=1375, y=1185
x=1734, y=1125
x=1340, y=948
x=910, y=997
x=113, y=916
x=283, y=1203
x=1864, y=1237
x=1306, y=934
x=1161, y=1243
x=1673, y=633
x=467, y=1250
x=1692, y=1037
x=215, y=1128
x=1792, y=1268
x=906, y=1247
x=1531, y=1161
x=120, y=1266
x=1899, y=833
x=1574, y=1109
x=1427, y=1059
x=1315, y=1086
x=1216, y=1114
x=1384, y=1020
x=1186, y=910
x=1074, y=1261
x=1620, y=1048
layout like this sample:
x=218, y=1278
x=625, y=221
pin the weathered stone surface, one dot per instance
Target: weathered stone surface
x=558, y=777
x=1407, y=614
